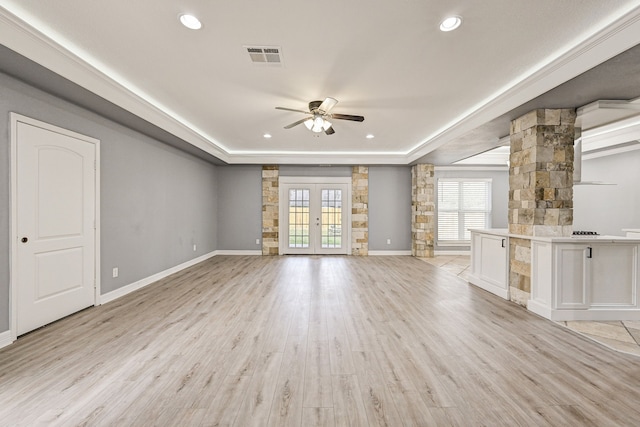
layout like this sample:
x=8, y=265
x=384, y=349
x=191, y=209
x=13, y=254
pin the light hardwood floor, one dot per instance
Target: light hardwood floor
x=314, y=341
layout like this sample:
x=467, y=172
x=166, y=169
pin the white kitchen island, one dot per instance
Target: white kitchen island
x=585, y=278
x=490, y=260
x=572, y=278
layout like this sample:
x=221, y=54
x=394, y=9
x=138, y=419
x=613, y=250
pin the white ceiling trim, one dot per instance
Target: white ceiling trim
x=615, y=38
x=318, y=158
x=58, y=55
x=476, y=168
x=621, y=132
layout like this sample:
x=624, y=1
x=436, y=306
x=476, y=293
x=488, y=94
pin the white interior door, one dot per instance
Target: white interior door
x=54, y=224
x=315, y=218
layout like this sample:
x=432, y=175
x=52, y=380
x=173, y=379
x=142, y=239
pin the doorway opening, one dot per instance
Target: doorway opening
x=315, y=215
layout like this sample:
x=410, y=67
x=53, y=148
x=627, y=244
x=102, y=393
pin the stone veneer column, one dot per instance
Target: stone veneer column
x=540, y=187
x=422, y=210
x=270, y=209
x=360, y=210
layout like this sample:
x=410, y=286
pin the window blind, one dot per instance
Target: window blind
x=462, y=204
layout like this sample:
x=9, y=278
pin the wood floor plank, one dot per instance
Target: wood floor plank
x=286, y=409
x=224, y=408
x=326, y=341
x=378, y=403
x=348, y=406
x=257, y=402
x=317, y=377
x=339, y=348
x=318, y=417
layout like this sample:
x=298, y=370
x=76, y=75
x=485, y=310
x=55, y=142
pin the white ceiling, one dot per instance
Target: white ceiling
x=418, y=88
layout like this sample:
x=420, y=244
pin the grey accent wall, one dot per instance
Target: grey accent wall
x=389, y=208
x=239, y=207
x=156, y=201
x=499, y=197
x=608, y=209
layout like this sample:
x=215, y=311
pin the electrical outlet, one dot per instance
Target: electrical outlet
x=257, y=241
x=115, y=271
x=194, y=248
x=388, y=241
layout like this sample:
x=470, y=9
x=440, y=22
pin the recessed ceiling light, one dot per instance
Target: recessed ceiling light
x=450, y=23
x=190, y=22
x=370, y=136
x=267, y=135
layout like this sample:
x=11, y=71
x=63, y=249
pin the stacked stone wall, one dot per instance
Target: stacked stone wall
x=360, y=211
x=422, y=210
x=540, y=187
x=270, y=210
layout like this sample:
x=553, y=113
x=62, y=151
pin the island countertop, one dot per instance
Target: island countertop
x=503, y=232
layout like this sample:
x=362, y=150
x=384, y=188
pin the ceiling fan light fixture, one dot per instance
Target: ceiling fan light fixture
x=318, y=124
x=326, y=125
x=190, y=21
x=309, y=123
x=450, y=23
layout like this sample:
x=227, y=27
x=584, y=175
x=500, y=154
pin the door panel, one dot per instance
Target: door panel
x=331, y=219
x=299, y=226
x=59, y=216
x=56, y=199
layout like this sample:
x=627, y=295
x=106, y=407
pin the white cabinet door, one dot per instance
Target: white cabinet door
x=489, y=262
x=572, y=276
x=614, y=274
x=493, y=260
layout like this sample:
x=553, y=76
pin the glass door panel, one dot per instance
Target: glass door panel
x=299, y=226
x=331, y=223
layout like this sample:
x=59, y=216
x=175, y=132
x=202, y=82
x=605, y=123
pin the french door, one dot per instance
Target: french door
x=315, y=216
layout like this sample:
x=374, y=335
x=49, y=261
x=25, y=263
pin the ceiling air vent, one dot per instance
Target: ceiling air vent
x=265, y=55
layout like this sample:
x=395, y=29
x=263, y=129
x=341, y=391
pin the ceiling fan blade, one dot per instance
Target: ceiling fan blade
x=347, y=117
x=327, y=105
x=296, y=123
x=330, y=131
x=292, y=109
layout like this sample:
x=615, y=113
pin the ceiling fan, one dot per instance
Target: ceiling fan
x=319, y=116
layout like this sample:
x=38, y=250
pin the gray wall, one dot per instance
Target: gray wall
x=499, y=197
x=239, y=207
x=156, y=201
x=608, y=209
x=389, y=208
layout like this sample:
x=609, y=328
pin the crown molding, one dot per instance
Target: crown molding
x=318, y=158
x=620, y=35
x=30, y=42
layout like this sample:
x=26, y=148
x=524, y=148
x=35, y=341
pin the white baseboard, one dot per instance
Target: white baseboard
x=389, y=253
x=438, y=253
x=239, y=252
x=5, y=338
x=127, y=289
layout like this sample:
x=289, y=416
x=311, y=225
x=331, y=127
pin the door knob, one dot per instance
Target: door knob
x=24, y=240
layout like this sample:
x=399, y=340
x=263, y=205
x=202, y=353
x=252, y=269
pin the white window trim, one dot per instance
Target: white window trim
x=453, y=243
